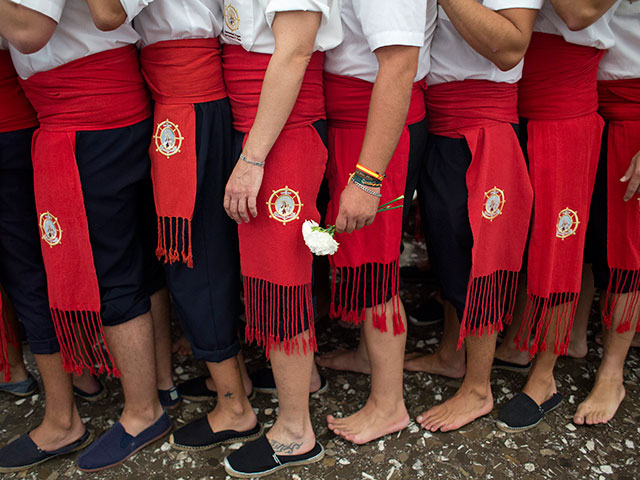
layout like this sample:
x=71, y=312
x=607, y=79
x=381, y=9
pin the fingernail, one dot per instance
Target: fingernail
x=624, y=179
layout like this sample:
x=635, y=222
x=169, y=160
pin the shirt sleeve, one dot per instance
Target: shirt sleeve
x=397, y=22
x=506, y=4
x=133, y=7
x=275, y=6
x=50, y=8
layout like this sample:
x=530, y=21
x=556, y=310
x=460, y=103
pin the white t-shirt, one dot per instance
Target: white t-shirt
x=75, y=37
x=371, y=24
x=623, y=59
x=248, y=22
x=598, y=35
x=179, y=20
x=452, y=59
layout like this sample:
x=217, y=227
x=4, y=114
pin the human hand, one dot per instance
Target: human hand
x=632, y=176
x=242, y=190
x=357, y=209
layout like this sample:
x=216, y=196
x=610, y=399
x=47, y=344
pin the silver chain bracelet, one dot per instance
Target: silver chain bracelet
x=251, y=162
x=368, y=190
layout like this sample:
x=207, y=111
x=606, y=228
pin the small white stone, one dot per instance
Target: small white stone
x=345, y=386
x=629, y=444
x=509, y=443
x=166, y=446
x=427, y=434
x=344, y=461
x=21, y=401
x=179, y=370
x=572, y=399
x=268, y=411
x=366, y=476
x=413, y=428
x=529, y=467
x=606, y=469
x=437, y=397
x=381, y=445
x=417, y=465
x=351, y=391
x=571, y=427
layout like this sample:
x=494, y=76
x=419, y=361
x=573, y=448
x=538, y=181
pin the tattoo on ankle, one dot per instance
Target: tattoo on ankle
x=285, y=449
x=228, y=395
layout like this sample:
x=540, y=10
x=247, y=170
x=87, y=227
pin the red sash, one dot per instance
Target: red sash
x=98, y=92
x=276, y=264
x=620, y=104
x=16, y=113
x=558, y=94
x=500, y=193
x=179, y=74
x=375, y=248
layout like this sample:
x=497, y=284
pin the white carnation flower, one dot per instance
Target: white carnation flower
x=319, y=240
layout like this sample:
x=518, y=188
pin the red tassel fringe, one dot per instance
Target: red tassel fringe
x=81, y=337
x=174, y=240
x=623, y=277
x=490, y=303
x=350, y=312
x=537, y=321
x=266, y=303
x=7, y=336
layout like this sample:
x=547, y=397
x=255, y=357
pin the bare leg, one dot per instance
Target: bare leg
x=61, y=424
x=161, y=315
x=608, y=391
x=233, y=410
x=292, y=433
x=508, y=350
x=578, y=344
x=385, y=411
x=246, y=381
x=447, y=361
x=17, y=367
x=474, y=398
x=132, y=346
x=86, y=382
x=350, y=361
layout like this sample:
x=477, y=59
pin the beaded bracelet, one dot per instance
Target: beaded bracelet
x=251, y=162
x=365, y=189
x=371, y=173
x=365, y=180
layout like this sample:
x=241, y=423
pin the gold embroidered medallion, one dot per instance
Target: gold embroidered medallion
x=284, y=205
x=567, y=223
x=493, y=203
x=168, y=138
x=50, y=229
x=231, y=18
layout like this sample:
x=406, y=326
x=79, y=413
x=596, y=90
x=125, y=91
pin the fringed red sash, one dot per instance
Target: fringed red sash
x=620, y=104
x=98, y=92
x=179, y=73
x=500, y=193
x=372, y=250
x=276, y=264
x=558, y=94
x=16, y=114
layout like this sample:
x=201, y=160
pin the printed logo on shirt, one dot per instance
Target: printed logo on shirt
x=493, y=203
x=567, y=223
x=50, y=229
x=168, y=138
x=284, y=205
x=231, y=23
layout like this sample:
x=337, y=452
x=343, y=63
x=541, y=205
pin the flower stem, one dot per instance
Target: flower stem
x=381, y=207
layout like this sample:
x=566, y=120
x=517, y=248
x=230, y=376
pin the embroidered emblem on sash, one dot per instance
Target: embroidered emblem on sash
x=231, y=18
x=50, y=229
x=168, y=138
x=567, y=223
x=493, y=203
x=284, y=205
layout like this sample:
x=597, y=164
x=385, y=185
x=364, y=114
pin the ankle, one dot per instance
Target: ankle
x=165, y=383
x=300, y=431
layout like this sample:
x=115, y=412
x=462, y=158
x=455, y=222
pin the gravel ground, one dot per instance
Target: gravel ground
x=555, y=449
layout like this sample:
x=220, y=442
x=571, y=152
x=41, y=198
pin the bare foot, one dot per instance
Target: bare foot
x=50, y=437
x=578, y=349
x=602, y=403
x=369, y=423
x=509, y=353
x=461, y=409
x=540, y=389
x=182, y=347
x=345, y=360
x=240, y=420
x=435, y=364
x=287, y=441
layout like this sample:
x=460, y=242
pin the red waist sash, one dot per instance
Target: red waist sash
x=179, y=74
x=558, y=94
x=500, y=193
x=620, y=104
x=374, y=248
x=558, y=79
x=16, y=113
x=243, y=74
x=619, y=99
x=98, y=92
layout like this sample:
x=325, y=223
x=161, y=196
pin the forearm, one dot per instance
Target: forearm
x=282, y=82
x=387, y=116
x=107, y=14
x=491, y=33
x=26, y=29
x=579, y=14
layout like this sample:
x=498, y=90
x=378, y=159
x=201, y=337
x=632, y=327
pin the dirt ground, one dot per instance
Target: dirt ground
x=555, y=449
